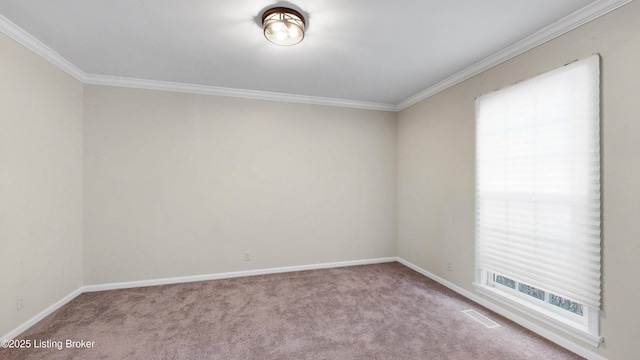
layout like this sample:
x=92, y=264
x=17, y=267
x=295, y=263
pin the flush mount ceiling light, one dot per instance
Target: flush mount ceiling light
x=283, y=26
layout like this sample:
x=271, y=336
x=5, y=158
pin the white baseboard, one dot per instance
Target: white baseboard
x=184, y=279
x=228, y=275
x=46, y=312
x=551, y=336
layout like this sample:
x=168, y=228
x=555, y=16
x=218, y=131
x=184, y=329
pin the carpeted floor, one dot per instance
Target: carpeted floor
x=384, y=311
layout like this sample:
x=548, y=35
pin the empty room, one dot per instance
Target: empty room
x=319, y=179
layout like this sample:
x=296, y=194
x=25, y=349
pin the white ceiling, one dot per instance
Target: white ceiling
x=376, y=51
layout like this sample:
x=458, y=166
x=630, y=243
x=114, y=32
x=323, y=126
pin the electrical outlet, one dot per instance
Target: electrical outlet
x=20, y=301
x=449, y=266
x=247, y=256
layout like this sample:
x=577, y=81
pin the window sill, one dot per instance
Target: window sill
x=542, y=316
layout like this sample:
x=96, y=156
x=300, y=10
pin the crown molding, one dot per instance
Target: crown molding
x=25, y=39
x=230, y=92
x=33, y=44
x=576, y=19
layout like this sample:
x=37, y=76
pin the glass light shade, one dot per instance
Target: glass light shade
x=283, y=26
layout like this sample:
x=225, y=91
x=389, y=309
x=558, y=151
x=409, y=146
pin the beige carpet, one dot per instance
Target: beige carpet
x=384, y=311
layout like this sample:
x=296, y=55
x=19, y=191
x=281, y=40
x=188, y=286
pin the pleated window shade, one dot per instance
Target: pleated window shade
x=538, y=182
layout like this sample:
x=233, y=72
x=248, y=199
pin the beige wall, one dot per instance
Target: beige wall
x=40, y=184
x=436, y=141
x=181, y=184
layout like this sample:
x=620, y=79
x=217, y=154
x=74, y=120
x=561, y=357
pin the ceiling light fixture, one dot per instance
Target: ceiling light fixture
x=283, y=26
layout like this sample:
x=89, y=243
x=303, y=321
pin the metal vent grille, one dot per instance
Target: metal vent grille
x=488, y=323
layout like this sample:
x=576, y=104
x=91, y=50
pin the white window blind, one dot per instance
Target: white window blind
x=538, y=182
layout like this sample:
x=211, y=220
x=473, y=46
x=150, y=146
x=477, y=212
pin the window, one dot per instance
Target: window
x=538, y=197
